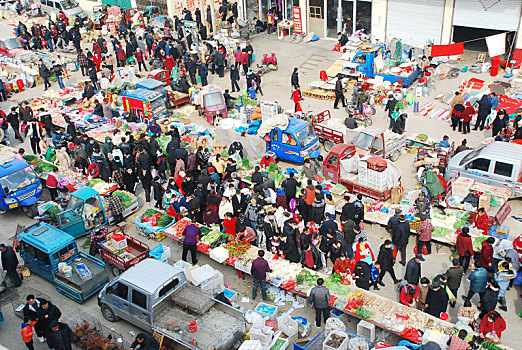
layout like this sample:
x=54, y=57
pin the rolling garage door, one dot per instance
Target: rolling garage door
x=487, y=14
x=416, y=22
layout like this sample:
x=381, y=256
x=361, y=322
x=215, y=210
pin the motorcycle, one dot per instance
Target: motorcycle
x=366, y=115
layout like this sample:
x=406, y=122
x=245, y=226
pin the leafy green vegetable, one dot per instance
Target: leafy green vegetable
x=477, y=243
x=363, y=313
x=125, y=199
x=164, y=220
x=441, y=232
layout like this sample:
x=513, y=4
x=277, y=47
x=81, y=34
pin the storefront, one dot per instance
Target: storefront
x=416, y=22
x=328, y=17
x=478, y=19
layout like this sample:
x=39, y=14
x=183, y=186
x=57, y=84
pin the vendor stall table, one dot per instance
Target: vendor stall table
x=386, y=306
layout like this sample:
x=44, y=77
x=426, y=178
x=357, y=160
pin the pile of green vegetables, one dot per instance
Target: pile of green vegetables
x=477, y=242
x=163, y=221
x=38, y=164
x=274, y=173
x=333, y=282
x=441, y=232
x=306, y=279
x=363, y=313
x=126, y=200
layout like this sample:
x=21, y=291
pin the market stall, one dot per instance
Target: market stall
x=382, y=312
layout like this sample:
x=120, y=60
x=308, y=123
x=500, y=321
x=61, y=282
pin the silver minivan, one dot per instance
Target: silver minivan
x=69, y=7
x=497, y=164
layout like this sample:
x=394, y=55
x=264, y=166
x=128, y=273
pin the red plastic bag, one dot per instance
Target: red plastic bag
x=402, y=317
x=332, y=300
x=154, y=219
x=171, y=211
x=288, y=285
x=411, y=334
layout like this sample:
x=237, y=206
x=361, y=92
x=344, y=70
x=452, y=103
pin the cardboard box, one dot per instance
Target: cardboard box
x=484, y=201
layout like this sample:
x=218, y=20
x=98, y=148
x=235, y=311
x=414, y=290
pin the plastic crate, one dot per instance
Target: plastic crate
x=344, y=344
x=183, y=265
x=251, y=345
x=366, y=330
x=230, y=295
x=119, y=244
x=287, y=325
x=258, y=334
x=266, y=310
x=160, y=252
x=202, y=274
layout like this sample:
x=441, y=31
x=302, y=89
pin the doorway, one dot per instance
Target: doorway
x=316, y=16
x=469, y=34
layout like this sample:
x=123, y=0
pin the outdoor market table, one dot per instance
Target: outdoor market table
x=339, y=302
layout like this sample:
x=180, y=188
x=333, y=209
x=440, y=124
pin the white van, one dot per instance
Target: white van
x=497, y=164
x=69, y=7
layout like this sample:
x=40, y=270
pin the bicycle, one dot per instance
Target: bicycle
x=365, y=117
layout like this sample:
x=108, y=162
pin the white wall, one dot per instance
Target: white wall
x=447, y=22
x=379, y=13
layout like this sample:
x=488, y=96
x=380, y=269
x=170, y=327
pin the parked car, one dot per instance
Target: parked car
x=496, y=164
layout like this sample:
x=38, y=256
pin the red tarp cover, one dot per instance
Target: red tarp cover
x=447, y=50
x=510, y=104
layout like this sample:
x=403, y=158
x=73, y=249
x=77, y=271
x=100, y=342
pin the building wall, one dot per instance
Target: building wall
x=447, y=22
x=379, y=13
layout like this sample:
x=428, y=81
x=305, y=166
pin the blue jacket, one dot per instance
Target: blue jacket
x=374, y=273
x=478, y=280
x=494, y=102
x=203, y=70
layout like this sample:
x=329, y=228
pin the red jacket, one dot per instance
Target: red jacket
x=486, y=254
x=230, y=226
x=498, y=326
x=468, y=113
x=405, y=297
x=464, y=244
x=481, y=222
x=27, y=331
x=244, y=57
x=51, y=182
x=266, y=162
x=121, y=55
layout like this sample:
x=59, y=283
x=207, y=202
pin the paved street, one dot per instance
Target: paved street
x=310, y=58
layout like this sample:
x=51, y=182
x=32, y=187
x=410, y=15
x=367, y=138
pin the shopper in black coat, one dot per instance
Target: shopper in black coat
x=47, y=314
x=489, y=301
x=399, y=126
x=413, y=270
x=386, y=259
x=401, y=236
x=9, y=264
x=294, y=80
x=291, y=251
x=362, y=275
x=436, y=300
x=483, y=111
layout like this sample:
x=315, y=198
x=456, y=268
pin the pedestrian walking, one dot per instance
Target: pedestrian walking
x=477, y=281
x=339, y=93
x=386, y=259
x=52, y=183
x=259, y=270
x=390, y=108
x=294, y=80
x=454, y=274
x=464, y=247
x=116, y=208
x=436, y=300
x=58, y=72
x=10, y=263
x=44, y=73
x=400, y=237
x=425, y=230
x=319, y=297
x=234, y=78
x=14, y=120
x=413, y=269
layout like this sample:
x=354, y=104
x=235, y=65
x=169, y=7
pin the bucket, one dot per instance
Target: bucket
x=67, y=271
x=61, y=266
x=193, y=326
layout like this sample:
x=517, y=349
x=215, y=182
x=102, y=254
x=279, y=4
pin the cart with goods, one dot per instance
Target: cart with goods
x=152, y=223
x=122, y=251
x=435, y=156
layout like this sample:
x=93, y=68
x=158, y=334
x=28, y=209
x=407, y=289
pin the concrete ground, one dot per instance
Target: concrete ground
x=310, y=59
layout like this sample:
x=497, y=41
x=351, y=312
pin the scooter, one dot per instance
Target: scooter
x=365, y=117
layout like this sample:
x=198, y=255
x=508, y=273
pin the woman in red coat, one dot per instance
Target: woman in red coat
x=169, y=63
x=481, y=221
x=492, y=325
x=96, y=58
x=464, y=247
x=467, y=115
x=296, y=97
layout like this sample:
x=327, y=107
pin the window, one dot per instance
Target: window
x=120, y=290
x=503, y=169
x=275, y=135
x=28, y=249
x=163, y=291
x=42, y=256
x=481, y=164
x=289, y=139
x=139, y=299
x=333, y=161
x=315, y=12
x=65, y=253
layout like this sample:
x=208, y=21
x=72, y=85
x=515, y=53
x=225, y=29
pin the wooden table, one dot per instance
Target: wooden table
x=285, y=26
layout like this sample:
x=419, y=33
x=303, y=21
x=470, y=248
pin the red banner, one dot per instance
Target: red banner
x=298, y=22
x=447, y=50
